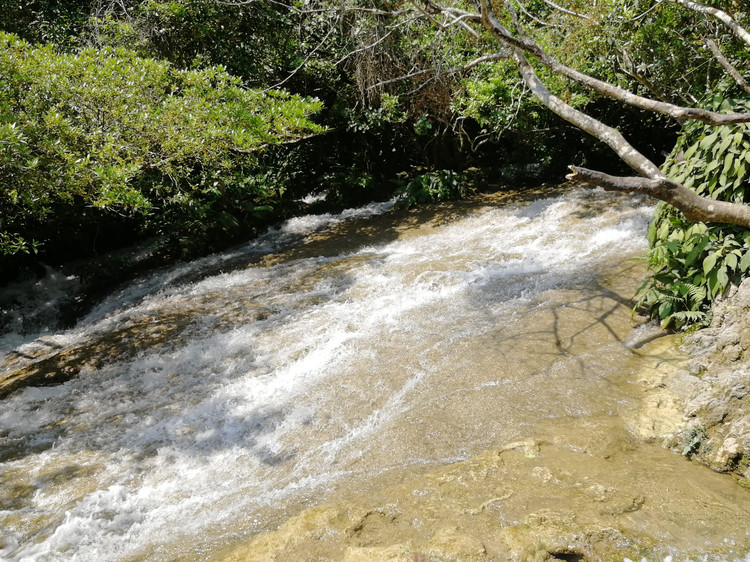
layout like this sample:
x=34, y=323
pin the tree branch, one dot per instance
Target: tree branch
x=493, y=25
x=566, y=11
x=532, y=17
x=609, y=135
x=652, y=182
x=693, y=206
x=626, y=66
x=731, y=70
x=720, y=15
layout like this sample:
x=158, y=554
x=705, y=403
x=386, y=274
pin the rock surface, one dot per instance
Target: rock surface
x=531, y=501
x=715, y=389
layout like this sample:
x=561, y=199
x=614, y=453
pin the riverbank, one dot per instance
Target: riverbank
x=715, y=386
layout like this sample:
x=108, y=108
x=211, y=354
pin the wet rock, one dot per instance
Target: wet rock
x=451, y=542
x=381, y=554
x=564, y=503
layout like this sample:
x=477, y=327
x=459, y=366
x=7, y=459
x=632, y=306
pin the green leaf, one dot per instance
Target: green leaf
x=709, y=140
x=708, y=263
x=665, y=309
x=725, y=142
x=696, y=251
x=728, y=163
x=712, y=166
x=722, y=278
x=690, y=151
x=745, y=261
x=731, y=261
x=713, y=284
x=663, y=231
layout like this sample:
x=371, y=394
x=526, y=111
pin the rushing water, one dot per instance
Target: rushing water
x=216, y=399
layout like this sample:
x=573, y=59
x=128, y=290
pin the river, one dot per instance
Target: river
x=377, y=383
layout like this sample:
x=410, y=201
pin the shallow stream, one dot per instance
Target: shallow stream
x=457, y=383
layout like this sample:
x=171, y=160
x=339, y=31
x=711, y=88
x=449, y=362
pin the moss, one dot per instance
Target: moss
x=743, y=463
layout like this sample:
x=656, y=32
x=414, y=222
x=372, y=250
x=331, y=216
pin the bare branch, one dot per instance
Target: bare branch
x=626, y=66
x=430, y=15
x=731, y=70
x=525, y=44
x=645, y=12
x=532, y=17
x=693, y=206
x=366, y=47
x=456, y=12
x=566, y=11
x=609, y=135
x=300, y=65
x=720, y=15
x=460, y=20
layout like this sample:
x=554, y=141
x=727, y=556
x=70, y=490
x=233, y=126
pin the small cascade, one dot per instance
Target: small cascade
x=212, y=401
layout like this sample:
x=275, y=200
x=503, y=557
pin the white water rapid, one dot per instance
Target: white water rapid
x=215, y=400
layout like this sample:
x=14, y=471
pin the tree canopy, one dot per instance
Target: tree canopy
x=109, y=131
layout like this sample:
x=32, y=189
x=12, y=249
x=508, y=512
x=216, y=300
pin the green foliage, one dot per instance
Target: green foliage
x=492, y=96
x=11, y=244
x=59, y=22
x=256, y=42
x=123, y=135
x=432, y=187
x=693, y=439
x=373, y=118
x=693, y=264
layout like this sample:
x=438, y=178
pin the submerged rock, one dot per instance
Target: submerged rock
x=560, y=502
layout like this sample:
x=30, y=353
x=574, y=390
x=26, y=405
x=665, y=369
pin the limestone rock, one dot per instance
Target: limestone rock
x=719, y=406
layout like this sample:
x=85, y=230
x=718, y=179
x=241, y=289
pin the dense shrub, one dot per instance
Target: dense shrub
x=106, y=132
x=434, y=186
x=692, y=264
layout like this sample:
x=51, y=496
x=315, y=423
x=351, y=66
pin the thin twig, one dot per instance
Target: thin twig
x=720, y=15
x=438, y=72
x=534, y=18
x=566, y=11
x=299, y=66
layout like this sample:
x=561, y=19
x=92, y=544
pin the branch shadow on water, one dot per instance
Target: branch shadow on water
x=569, y=316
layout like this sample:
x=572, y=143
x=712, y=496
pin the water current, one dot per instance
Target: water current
x=341, y=355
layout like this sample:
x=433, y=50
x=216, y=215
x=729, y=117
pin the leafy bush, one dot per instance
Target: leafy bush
x=432, y=187
x=693, y=263
x=108, y=133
